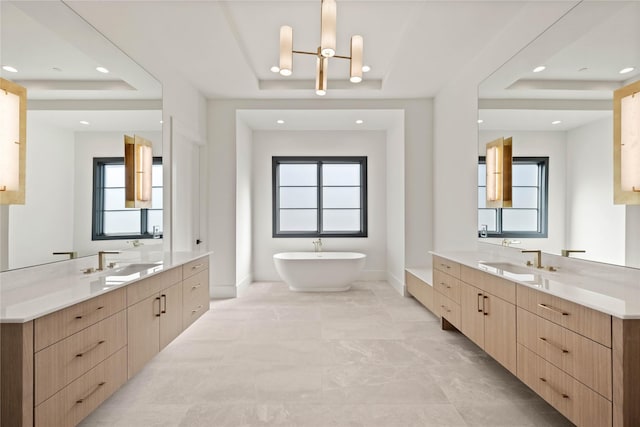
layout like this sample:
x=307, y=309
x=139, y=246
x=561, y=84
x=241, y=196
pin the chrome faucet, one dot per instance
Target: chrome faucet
x=317, y=245
x=101, y=257
x=538, y=258
x=567, y=252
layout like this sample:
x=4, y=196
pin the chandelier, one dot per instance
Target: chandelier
x=326, y=50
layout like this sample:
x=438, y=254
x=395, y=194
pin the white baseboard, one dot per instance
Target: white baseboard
x=223, y=291
x=396, y=283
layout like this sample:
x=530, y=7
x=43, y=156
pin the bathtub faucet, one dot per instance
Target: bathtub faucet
x=317, y=245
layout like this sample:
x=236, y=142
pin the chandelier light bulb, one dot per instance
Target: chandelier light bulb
x=286, y=50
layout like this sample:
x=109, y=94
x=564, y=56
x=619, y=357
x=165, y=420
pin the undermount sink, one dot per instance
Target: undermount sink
x=511, y=271
x=131, y=269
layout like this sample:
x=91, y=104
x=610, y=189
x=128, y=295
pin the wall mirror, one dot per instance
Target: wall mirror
x=83, y=96
x=554, y=98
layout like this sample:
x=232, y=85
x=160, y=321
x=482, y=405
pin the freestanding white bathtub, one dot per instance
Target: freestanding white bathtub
x=319, y=271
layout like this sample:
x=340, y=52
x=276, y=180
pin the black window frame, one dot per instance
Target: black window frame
x=543, y=201
x=97, y=219
x=319, y=161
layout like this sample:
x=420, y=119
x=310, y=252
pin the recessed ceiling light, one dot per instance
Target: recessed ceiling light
x=102, y=70
x=9, y=68
x=280, y=122
x=556, y=122
x=275, y=69
x=366, y=68
x=627, y=70
x=480, y=121
x=84, y=122
x=539, y=68
x=359, y=121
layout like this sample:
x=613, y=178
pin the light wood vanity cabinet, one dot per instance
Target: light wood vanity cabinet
x=488, y=320
x=446, y=291
x=420, y=290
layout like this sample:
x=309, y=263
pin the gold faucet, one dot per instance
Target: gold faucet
x=101, y=255
x=71, y=254
x=567, y=252
x=538, y=253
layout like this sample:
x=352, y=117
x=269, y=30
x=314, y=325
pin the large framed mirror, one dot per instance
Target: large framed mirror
x=83, y=96
x=554, y=98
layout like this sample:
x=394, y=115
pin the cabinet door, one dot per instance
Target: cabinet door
x=472, y=317
x=500, y=331
x=143, y=332
x=171, y=314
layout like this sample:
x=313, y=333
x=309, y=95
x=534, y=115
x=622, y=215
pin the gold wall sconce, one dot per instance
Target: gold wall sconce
x=138, y=162
x=498, y=163
x=13, y=142
x=626, y=145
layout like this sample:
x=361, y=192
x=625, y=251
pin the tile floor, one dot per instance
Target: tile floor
x=367, y=357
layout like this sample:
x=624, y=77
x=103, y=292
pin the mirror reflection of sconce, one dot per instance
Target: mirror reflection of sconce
x=498, y=163
x=138, y=162
x=13, y=142
x=626, y=145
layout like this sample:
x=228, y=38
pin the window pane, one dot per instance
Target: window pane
x=341, y=220
x=482, y=197
x=519, y=220
x=488, y=217
x=156, y=176
x=298, y=174
x=482, y=174
x=299, y=197
x=341, y=197
x=525, y=174
x=114, y=175
x=341, y=174
x=298, y=220
x=121, y=222
x=113, y=198
x=156, y=198
x=154, y=218
x=525, y=197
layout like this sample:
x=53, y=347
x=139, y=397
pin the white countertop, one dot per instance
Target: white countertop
x=33, y=292
x=613, y=290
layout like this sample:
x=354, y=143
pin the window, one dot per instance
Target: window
x=528, y=216
x=111, y=220
x=319, y=196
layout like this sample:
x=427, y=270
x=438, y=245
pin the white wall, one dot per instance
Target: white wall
x=543, y=144
x=244, y=204
x=456, y=129
x=222, y=218
x=594, y=223
x=87, y=146
x=396, y=205
x=44, y=224
x=319, y=143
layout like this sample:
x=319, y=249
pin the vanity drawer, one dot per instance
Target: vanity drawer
x=59, y=364
x=584, y=359
x=195, y=267
x=74, y=402
x=497, y=286
x=152, y=285
x=447, y=285
x=56, y=326
x=195, y=294
x=450, y=267
x=581, y=405
x=444, y=307
x=585, y=321
x=420, y=290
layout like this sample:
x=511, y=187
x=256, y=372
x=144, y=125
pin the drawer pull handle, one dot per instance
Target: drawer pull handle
x=564, y=395
x=96, y=388
x=197, y=266
x=554, y=345
x=195, y=286
x=444, y=284
x=164, y=309
x=159, y=307
x=480, y=309
x=445, y=265
x=196, y=310
x=82, y=315
x=93, y=347
x=485, y=310
x=555, y=310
